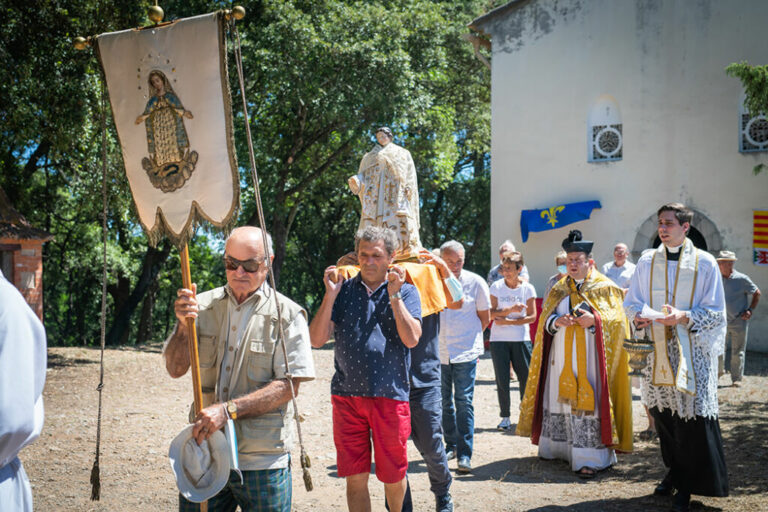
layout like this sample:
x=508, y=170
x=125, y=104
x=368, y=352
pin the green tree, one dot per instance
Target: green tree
x=754, y=79
x=320, y=77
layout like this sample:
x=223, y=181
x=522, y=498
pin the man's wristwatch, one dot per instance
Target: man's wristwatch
x=232, y=409
x=396, y=295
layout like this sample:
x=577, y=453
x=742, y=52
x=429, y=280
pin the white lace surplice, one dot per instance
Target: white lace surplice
x=565, y=435
x=707, y=334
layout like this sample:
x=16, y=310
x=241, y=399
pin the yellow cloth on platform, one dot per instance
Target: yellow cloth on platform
x=424, y=277
x=607, y=299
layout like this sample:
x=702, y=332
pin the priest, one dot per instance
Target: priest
x=578, y=405
x=676, y=293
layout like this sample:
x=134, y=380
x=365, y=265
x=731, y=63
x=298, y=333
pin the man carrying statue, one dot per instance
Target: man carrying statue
x=676, y=293
x=388, y=191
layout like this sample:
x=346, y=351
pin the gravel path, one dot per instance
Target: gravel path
x=144, y=409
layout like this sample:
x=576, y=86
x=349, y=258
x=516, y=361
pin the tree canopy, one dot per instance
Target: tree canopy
x=321, y=76
x=754, y=79
x=755, y=82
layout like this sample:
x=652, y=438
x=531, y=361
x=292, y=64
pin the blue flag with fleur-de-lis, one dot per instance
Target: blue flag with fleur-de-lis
x=555, y=216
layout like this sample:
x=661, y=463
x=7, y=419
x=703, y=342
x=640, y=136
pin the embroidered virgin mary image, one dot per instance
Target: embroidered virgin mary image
x=170, y=162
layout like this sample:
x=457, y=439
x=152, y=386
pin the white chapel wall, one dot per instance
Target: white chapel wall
x=663, y=62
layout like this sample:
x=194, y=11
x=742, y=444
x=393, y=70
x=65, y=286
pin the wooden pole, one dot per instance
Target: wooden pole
x=194, y=359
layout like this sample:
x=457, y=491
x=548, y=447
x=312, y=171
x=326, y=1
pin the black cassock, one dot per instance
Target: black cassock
x=693, y=451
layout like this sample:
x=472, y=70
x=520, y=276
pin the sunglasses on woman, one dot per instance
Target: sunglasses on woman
x=249, y=266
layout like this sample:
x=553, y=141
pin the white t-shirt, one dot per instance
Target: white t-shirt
x=461, y=333
x=505, y=297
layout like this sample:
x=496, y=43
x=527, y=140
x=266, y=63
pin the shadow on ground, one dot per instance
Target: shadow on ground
x=59, y=361
x=744, y=427
x=650, y=503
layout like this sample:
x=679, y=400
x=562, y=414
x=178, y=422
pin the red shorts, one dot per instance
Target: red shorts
x=357, y=419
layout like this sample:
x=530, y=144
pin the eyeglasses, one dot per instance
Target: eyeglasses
x=249, y=266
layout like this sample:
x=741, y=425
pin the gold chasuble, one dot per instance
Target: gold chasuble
x=611, y=327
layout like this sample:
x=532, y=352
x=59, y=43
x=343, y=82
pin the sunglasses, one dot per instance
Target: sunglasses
x=249, y=266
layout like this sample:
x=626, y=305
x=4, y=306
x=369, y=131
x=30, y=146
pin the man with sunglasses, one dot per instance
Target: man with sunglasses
x=243, y=371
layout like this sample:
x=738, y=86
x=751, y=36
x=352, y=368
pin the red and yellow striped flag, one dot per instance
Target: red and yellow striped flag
x=760, y=238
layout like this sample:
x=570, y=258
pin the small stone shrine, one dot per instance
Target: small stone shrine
x=21, y=254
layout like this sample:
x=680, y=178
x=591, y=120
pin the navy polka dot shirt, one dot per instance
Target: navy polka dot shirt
x=369, y=357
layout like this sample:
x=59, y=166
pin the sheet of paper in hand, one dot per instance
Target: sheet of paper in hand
x=169, y=92
x=651, y=314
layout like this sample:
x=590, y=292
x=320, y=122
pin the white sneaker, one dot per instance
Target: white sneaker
x=505, y=424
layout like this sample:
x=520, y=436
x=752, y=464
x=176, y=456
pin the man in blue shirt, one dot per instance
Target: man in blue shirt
x=426, y=401
x=737, y=287
x=375, y=319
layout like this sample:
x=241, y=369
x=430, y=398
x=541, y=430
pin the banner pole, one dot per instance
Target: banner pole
x=194, y=359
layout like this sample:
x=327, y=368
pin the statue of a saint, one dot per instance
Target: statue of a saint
x=387, y=188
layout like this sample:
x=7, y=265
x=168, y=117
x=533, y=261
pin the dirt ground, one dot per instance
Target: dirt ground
x=144, y=409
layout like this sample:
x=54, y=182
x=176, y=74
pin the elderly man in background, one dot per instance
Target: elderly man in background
x=620, y=270
x=461, y=344
x=243, y=372
x=495, y=273
x=22, y=377
x=375, y=319
x=737, y=288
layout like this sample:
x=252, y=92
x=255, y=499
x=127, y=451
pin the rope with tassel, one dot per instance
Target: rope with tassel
x=95, y=471
x=305, y=461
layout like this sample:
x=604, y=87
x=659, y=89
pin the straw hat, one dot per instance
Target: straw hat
x=201, y=471
x=726, y=256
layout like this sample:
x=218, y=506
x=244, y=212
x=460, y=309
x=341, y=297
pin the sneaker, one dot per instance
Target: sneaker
x=444, y=503
x=450, y=453
x=505, y=424
x=736, y=384
x=464, y=466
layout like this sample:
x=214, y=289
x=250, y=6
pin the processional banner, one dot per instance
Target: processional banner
x=169, y=91
x=760, y=237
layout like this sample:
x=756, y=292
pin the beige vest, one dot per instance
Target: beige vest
x=269, y=433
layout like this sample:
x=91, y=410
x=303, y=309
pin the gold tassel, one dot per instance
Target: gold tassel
x=305, y=465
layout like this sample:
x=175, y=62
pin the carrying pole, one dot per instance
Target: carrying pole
x=194, y=359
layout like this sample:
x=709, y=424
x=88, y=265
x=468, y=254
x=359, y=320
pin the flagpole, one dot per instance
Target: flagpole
x=194, y=359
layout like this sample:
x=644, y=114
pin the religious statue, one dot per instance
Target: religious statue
x=387, y=188
x=170, y=162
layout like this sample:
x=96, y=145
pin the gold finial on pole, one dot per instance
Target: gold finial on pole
x=155, y=13
x=237, y=12
x=81, y=43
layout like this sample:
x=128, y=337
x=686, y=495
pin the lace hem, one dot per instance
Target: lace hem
x=580, y=431
x=704, y=402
